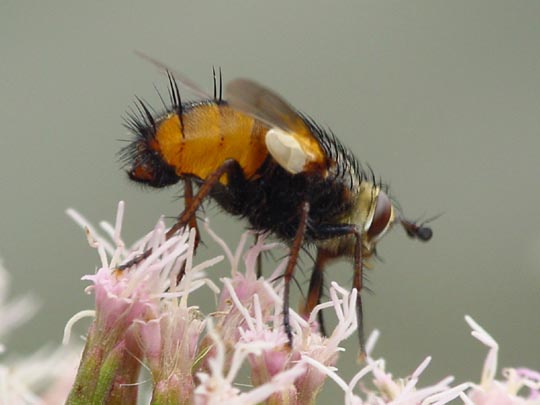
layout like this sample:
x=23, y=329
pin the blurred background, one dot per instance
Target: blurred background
x=442, y=99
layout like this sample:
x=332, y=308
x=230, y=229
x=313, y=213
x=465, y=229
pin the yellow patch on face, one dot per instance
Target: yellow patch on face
x=365, y=205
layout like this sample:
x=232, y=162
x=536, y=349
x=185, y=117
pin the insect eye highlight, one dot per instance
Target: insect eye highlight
x=381, y=217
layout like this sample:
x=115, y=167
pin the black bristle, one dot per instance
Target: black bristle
x=174, y=92
x=147, y=114
x=215, y=83
x=220, y=86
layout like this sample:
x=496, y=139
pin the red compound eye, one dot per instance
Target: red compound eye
x=381, y=216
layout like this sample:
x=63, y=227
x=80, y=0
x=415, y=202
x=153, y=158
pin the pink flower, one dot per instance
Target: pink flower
x=122, y=300
x=169, y=345
x=530, y=379
x=170, y=342
x=389, y=390
x=506, y=391
x=249, y=319
x=121, y=297
x=217, y=385
x=236, y=306
x=323, y=350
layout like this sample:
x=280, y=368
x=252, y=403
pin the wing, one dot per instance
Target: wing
x=264, y=104
x=178, y=76
x=289, y=140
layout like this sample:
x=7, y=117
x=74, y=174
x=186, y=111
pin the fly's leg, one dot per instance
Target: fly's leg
x=203, y=192
x=291, y=264
x=333, y=231
x=358, y=283
x=315, y=292
x=188, y=216
x=192, y=223
x=259, y=258
x=188, y=200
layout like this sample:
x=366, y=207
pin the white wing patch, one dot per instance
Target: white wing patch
x=287, y=151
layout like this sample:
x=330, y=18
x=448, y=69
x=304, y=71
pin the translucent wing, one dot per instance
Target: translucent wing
x=178, y=76
x=289, y=140
x=262, y=103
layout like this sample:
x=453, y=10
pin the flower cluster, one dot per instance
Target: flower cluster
x=146, y=321
x=145, y=315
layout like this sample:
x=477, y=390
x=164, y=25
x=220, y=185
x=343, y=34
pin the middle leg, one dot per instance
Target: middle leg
x=291, y=264
x=316, y=285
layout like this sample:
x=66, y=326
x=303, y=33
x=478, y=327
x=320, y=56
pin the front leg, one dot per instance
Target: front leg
x=229, y=166
x=188, y=200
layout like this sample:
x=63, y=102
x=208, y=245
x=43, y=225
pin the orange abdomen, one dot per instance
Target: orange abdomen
x=206, y=135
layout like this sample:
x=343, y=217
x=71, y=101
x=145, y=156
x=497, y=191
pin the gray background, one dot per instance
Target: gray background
x=441, y=98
